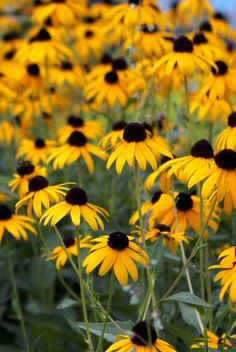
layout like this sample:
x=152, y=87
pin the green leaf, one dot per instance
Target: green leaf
x=67, y=303
x=111, y=329
x=189, y=298
x=188, y=314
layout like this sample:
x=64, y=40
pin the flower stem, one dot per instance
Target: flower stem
x=138, y=197
x=187, y=111
x=184, y=259
x=192, y=255
x=100, y=347
x=83, y=298
x=17, y=299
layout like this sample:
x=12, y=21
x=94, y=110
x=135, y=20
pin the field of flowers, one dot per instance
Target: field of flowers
x=117, y=177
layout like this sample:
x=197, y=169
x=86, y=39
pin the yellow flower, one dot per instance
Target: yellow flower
x=227, y=138
x=15, y=224
x=136, y=145
x=183, y=58
x=60, y=255
x=213, y=341
x=220, y=175
x=116, y=250
x=227, y=273
x=90, y=128
x=41, y=194
x=77, y=206
x=143, y=339
x=36, y=150
x=25, y=171
x=115, y=135
x=76, y=147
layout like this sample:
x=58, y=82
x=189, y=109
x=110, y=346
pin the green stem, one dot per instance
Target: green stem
x=208, y=287
x=100, y=342
x=202, y=269
x=68, y=288
x=138, y=197
x=17, y=299
x=101, y=310
x=83, y=298
x=192, y=255
x=187, y=111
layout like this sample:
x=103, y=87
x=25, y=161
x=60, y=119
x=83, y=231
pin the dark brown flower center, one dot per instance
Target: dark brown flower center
x=37, y=183
x=232, y=119
x=135, y=2
x=106, y=59
x=39, y=143
x=33, y=70
x=162, y=228
x=144, y=334
x=77, y=139
x=226, y=159
x=9, y=55
x=66, y=66
x=199, y=38
x=75, y=121
x=183, y=202
x=134, y=132
x=119, y=64
x=76, y=196
x=111, y=77
x=183, y=45
x=118, y=241
x=220, y=16
x=42, y=36
x=156, y=197
x=25, y=168
x=5, y=212
x=69, y=242
x=119, y=125
x=206, y=26
x=89, y=34
x=202, y=149
x=222, y=68
x=11, y=36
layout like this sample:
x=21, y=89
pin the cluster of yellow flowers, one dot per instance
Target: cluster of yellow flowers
x=80, y=80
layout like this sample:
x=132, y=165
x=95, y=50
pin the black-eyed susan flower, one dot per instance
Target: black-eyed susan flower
x=216, y=109
x=221, y=26
x=221, y=82
x=149, y=42
x=136, y=146
x=77, y=206
x=90, y=128
x=75, y=148
x=42, y=49
x=41, y=195
x=68, y=73
x=143, y=339
x=227, y=274
x=36, y=150
x=16, y=225
x=188, y=213
x=183, y=58
x=117, y=251
x=115, y=135
x=59, y=254
x=227, y=138
x=108, y=88
x=203, y=47
x=7, y=132
x=183, y=168
x=31, y=80
x=170, y=239
x=24, y=172
x=213, y=341
x=220, y=177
